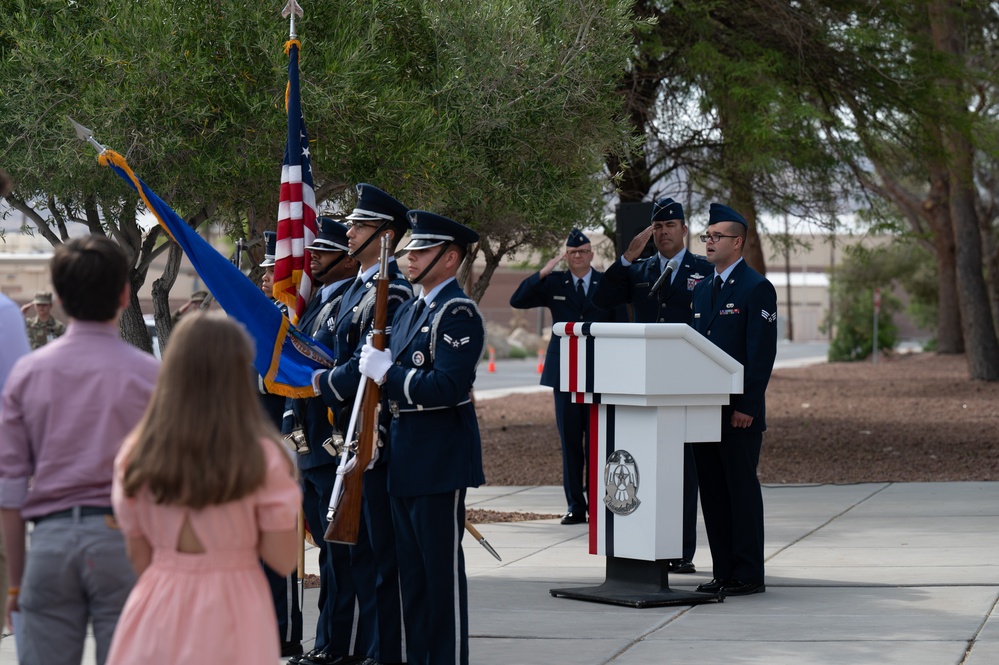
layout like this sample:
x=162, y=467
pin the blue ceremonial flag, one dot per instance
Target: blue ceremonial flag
x=285, y=357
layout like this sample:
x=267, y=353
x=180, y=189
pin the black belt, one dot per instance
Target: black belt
x=85, y=511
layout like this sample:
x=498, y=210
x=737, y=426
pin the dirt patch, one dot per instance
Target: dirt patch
x=479, y=516
x=909, y=418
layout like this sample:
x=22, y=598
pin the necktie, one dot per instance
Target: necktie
x=579, y=288
x=353, y=289
x=718, y=288
x=418, y=308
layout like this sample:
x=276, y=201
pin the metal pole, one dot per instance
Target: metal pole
x=877, y=310
x=787, y=271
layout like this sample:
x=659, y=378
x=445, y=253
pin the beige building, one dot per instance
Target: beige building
x=24, y=270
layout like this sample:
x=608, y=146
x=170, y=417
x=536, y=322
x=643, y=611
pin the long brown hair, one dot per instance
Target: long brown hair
x=198, y=442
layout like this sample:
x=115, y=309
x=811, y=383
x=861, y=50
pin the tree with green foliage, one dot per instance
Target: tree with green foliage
x=795, y=107
x=852, y=287
x=497, y=114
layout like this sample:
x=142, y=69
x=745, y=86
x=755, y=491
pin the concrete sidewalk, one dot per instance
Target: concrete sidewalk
x=864, y=574
x=856, y=574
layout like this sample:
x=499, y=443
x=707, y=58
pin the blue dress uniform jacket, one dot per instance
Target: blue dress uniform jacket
x=434, y=439
x=339, y=386
x=436, y=454
x=742, y=321
x=633, y=283
x=373, y=560
x=558, y=293
x=317, y=321
x=337, y=627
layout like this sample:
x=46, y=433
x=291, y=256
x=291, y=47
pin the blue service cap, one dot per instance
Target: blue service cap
x=270, y=251
x=374, y=205
x=431, y=230
x=722, y=213
x=332, y=236
x=576, y=239
x=665, y=209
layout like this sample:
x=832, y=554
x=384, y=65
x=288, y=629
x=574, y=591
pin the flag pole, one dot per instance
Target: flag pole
x=291, y=10
x=86, y=135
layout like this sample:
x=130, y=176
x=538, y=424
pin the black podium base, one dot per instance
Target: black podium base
x=636, y=583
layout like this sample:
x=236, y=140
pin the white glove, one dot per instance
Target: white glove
x=375, y=364
x=315, y=380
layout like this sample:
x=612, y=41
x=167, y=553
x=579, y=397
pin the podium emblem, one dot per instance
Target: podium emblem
x=621, y=483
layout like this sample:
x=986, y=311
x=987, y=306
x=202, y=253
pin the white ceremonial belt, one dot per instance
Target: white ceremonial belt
x=395, y=409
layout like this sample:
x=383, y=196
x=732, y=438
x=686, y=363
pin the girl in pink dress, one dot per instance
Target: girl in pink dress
x=203, y=491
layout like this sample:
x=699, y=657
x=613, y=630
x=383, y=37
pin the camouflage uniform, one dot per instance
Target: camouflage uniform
x=40, y=332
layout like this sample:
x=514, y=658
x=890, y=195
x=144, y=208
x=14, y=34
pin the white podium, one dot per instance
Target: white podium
x=652, y=387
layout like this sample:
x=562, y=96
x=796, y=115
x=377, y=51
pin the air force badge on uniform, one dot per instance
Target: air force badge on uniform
x=621, y=483
x=769, y=317
x=418, y=359
x=694, y=280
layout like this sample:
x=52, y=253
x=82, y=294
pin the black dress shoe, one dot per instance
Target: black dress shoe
x=681, y=566
x=296, y=660
x=740, y=588
x=317, y=657
x=714, y=586
x=291, y=649
x=574, y=518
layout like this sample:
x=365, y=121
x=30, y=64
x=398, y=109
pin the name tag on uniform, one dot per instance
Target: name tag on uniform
x=697, y=315
x=558, y=297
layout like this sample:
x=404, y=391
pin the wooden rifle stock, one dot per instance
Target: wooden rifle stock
x=347, y=520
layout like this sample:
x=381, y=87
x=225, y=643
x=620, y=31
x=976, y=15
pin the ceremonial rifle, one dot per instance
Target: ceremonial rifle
x=345, y=503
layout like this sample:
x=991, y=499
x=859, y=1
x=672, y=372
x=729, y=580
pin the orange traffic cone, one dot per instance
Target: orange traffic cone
x=541, y=361
x=492, y=359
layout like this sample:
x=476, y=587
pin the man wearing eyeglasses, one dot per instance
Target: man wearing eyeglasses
x=736, y=310
x=569, y=297
x=659, y=289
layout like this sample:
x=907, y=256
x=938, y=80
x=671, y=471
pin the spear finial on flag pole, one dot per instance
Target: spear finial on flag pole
x=85, y=134
x=292, y=9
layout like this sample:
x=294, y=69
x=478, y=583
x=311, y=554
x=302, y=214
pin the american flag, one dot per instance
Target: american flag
x=296, y=227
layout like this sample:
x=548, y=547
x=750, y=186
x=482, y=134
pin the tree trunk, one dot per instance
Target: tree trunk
x=743, y=201
x=739, y=184
x=161, y=295
x=132, y=326
x=950, y=337
x=982, y=347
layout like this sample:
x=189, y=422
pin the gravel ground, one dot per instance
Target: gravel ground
x=913, y=417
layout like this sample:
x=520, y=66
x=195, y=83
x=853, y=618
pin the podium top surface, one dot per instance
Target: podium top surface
x=652, y=331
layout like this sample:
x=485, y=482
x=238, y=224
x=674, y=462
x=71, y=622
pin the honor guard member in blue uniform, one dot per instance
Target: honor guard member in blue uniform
x=374, y=561
x=569, y=297
x=736, y=309
x=283, y=589
x=314, y=438
x=656, y=297
x=435, y=452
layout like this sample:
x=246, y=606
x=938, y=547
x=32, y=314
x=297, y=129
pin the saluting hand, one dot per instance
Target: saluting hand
x=637, y=244
x=550, y=266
